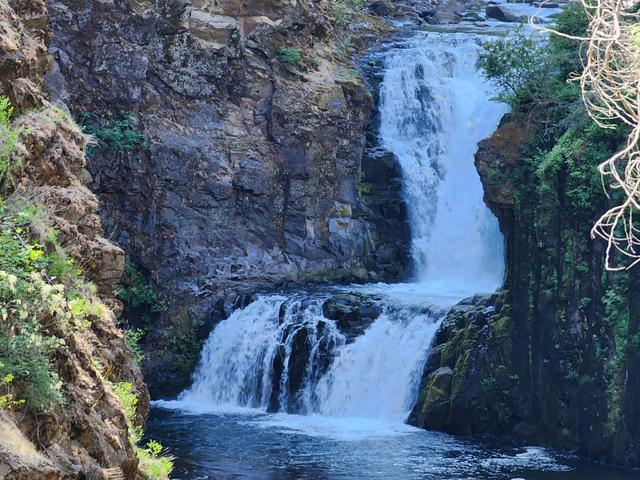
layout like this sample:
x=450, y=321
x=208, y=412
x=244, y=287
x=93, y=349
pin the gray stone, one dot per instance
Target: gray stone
x=501, y=14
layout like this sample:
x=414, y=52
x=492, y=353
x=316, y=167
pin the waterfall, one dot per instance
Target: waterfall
x=435, y=108
x=282, y=354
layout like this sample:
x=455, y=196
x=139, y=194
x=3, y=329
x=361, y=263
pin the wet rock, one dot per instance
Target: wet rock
x=436, y=401
x=298, y=360
x=278, y=369
x=501, y=14
x=382, y=8
x=472, y=17
x=444, y=17
x=496, y=160
x=526, y=430
x=353, y=313
x=460, y=392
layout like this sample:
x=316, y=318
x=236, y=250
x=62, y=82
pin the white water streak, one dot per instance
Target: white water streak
x=433, y=124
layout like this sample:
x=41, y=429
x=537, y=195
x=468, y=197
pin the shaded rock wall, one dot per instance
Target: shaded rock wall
x=551, y=358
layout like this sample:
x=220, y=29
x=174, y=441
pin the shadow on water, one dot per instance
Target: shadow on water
x=261, y=446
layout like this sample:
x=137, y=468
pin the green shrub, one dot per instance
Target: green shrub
x=136, y=292
x=528, y=72
x=134, y=338
x=9, y=136
x=119, y=135
x=141, y=307
x=41, y=306
x=7, y=399
x=153, y=462
x=289, y=55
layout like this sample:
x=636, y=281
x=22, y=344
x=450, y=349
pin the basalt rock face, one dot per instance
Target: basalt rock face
x=552, y=357
x=86, y=436
x=251, y=177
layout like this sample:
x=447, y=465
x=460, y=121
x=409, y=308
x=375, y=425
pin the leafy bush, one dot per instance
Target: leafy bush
x=134, y=338
x=7, y=399
x=119, y=135
x=289, y=55
x=529, y=72
x=141, y=307
x=41, y=305
x=136, y=292
x=153, y=462
x=341, y=9
x=9, y=137
x=340, y=12
x=513, y=64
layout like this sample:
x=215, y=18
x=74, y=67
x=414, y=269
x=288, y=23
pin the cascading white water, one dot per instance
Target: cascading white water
x=435, y=108
x=377, y=376
x=235, y=366
x=280, y=353
x=240, y=359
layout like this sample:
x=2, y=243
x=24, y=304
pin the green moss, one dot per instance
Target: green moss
x=364, y=188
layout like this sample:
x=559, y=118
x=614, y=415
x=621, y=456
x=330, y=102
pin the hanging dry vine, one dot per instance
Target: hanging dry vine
x=610, y=86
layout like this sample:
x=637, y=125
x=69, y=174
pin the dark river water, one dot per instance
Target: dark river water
x=260, y=446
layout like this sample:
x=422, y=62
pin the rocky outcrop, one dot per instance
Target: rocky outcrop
x=496, y=160
x=251, y=168
x=24, y=36
x=551, y=358
x=87, y=435
x=456, y=394
x=352, y=313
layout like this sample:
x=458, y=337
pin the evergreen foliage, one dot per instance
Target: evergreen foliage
x=289, y=55
x=119, y=135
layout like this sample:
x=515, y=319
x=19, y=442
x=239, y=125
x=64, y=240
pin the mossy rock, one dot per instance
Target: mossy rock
x=440, y=385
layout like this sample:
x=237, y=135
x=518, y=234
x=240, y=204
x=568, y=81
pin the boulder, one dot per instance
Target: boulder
x=501, y=14
x=353, y=313
x=444, y=18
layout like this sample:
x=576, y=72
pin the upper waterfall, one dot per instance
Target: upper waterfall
x=435, y=107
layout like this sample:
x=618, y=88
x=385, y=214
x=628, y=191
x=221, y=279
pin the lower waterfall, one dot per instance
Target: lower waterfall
x=282, y=353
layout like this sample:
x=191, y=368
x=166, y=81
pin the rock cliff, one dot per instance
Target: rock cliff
x=84, y=432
